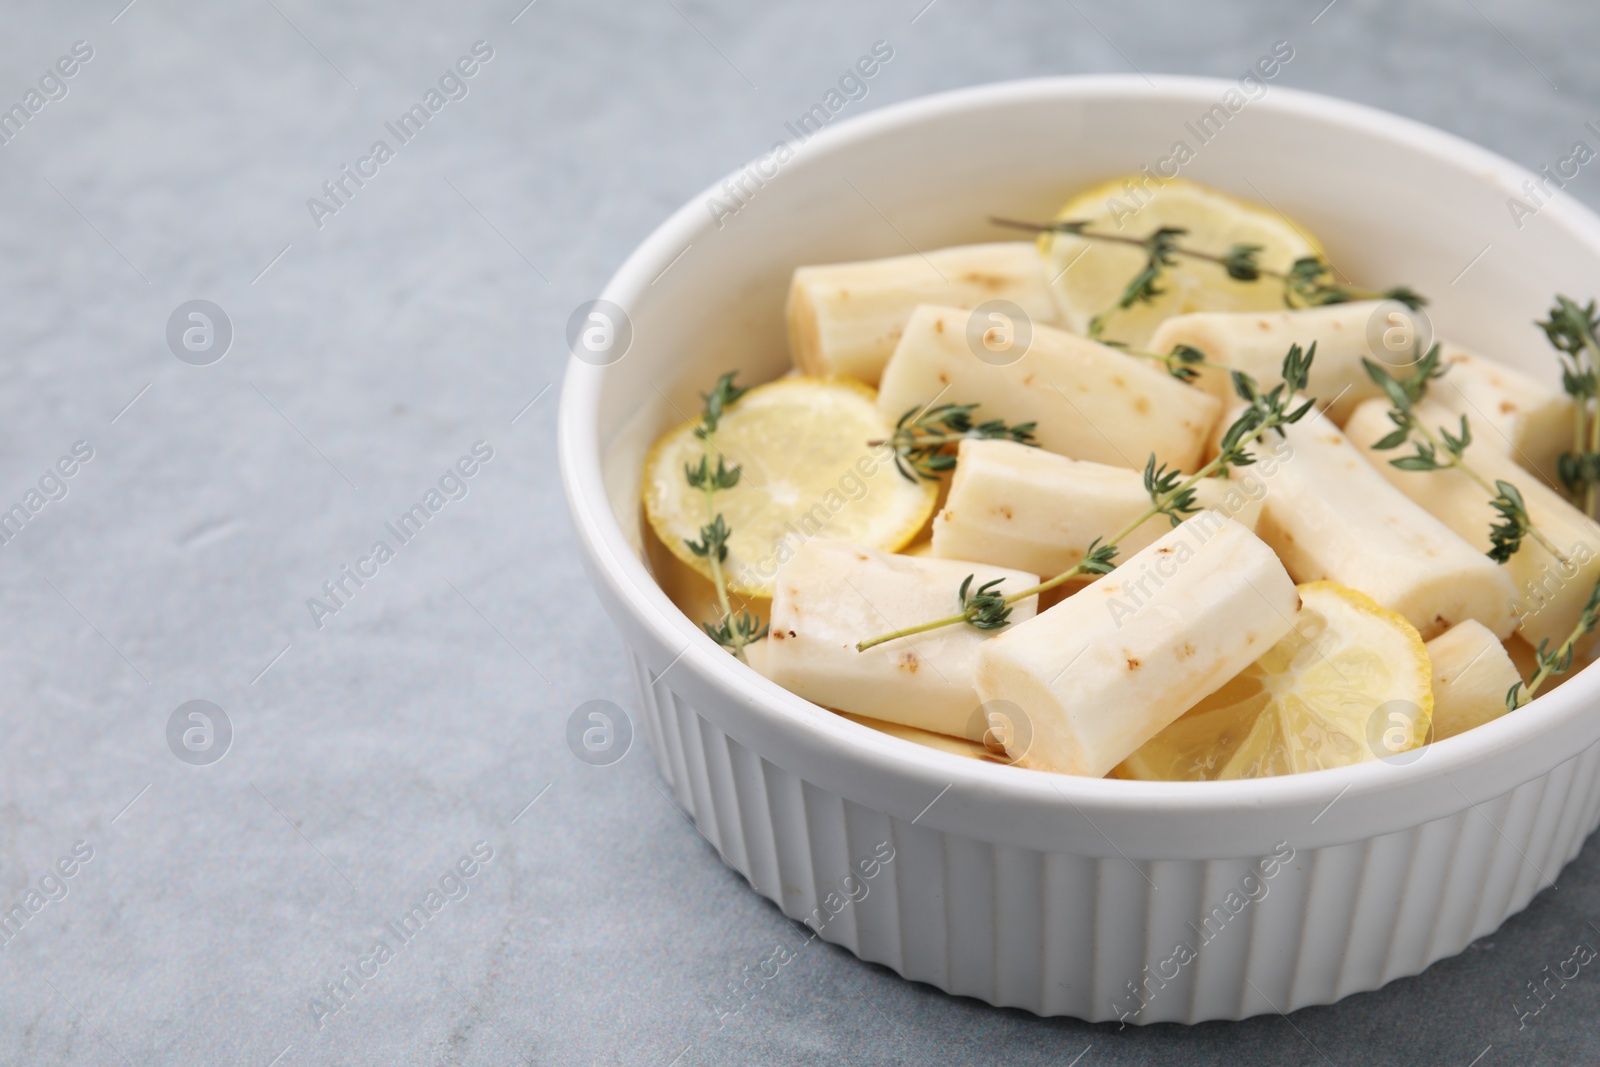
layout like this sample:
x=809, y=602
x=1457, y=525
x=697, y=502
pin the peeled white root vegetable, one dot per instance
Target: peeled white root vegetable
x=1550, y=596
x=1472, y=673
x=831, y=595
x=1089, y=400
x=845, y=318
x=1509, y=411
x=956, y=746
x=1017, y=506
x=1255, y=342
x=1099, y=674
x=1329, y=515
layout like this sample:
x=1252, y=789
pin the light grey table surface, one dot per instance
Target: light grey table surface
x=369, y=755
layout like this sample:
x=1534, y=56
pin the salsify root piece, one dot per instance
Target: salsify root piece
x=1016, y=506
x=1471, y=673
x=1093, y=678
x=830, y=593
x=1551, y=590
x=1330, y=515
x=1086, y=400
x=845, y=318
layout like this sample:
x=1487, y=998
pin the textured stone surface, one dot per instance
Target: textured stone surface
x=430, y=711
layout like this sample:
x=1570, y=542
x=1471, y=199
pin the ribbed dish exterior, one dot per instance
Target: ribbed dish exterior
x=1098, y=938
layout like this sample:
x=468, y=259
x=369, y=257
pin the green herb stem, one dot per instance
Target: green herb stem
x=923, y=434
x=1580, y=412
x=731, y=631
x=1514, y=522
x=718, y=579
x=1180, y=362
x=1571, y=330
x=1307, y=283
x=1590, y=486
x=1077, y=229
x=1492, y=488
x=1559, y=661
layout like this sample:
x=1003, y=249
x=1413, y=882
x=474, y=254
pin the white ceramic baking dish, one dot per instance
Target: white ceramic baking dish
x=1056, y=894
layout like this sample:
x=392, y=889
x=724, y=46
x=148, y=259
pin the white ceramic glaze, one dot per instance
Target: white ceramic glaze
x=1047, y=892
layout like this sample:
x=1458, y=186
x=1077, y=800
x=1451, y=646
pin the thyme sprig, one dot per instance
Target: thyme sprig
x=1559, y=661
x=1572, y=332
x=1307, y=283
x=1171, y=494
x=731, y=631
x=1167, y=492
x=922, y=438
x=1505, y=536
x=986, y=605
x=1443, y=450
x=1161, y=251
x=1180, y=362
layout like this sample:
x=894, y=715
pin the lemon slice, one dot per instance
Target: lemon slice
x=1089, y=277
x=1350, y=682
x=807, y=471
